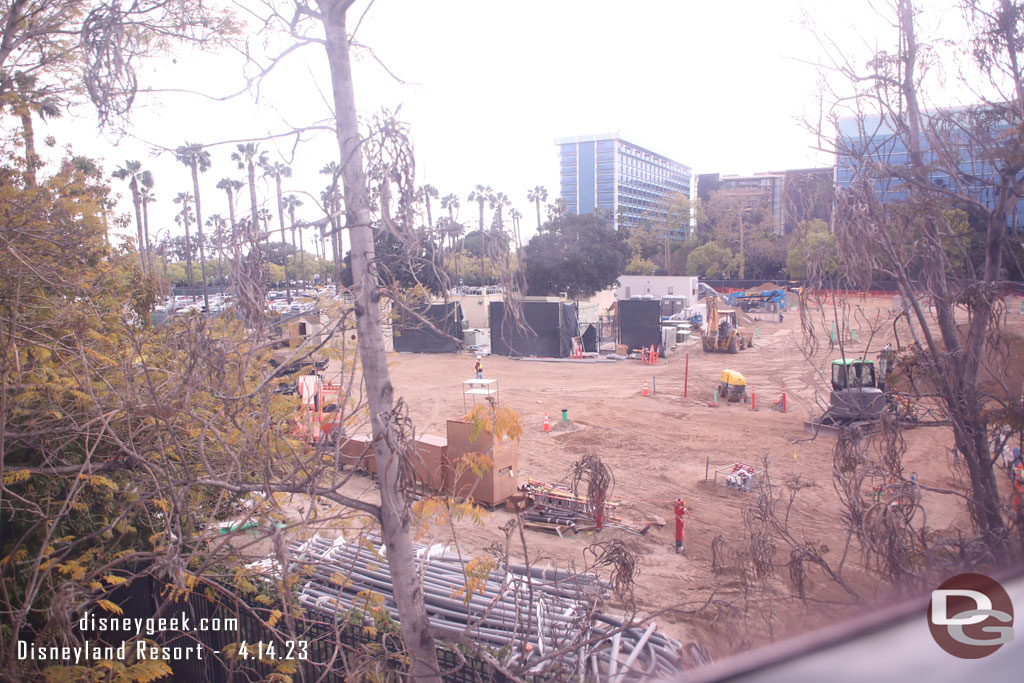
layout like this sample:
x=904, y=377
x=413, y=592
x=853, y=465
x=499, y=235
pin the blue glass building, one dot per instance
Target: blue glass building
x=863, y=145
x=606, y=172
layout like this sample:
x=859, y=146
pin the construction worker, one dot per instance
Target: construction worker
x=479, y=368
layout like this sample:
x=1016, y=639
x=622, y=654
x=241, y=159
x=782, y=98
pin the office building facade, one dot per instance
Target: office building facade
x=787, y=197
x=862, y=147
x=605, y=172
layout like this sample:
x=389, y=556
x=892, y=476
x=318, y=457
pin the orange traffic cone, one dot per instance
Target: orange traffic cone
x=547, y=425
x=647, y=391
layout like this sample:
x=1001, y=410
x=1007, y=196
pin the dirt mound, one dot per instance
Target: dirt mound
x=767, y=285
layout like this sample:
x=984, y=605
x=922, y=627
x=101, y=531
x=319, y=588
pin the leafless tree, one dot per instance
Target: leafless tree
x=932, y=161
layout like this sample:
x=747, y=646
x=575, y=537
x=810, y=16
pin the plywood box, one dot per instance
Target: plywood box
x=497, y=482
x=353, y=448
x=430, y=460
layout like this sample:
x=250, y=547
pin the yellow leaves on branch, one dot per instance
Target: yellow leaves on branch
x=148, y=670
x=145, y=671
x=503, y=423
x=17, y=556
x=15, y=476
x=433, y=512
x=477, y=571
x=99, y=480
x=111, y=607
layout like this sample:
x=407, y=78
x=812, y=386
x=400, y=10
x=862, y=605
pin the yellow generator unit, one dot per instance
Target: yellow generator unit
x=732, y=386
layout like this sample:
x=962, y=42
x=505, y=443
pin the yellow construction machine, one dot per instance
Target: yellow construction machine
x=722, y=332
x=732, y=387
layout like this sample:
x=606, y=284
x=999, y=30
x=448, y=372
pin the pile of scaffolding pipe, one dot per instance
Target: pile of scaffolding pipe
x=533, y=610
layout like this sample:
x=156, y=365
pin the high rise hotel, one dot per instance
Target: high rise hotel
x=607, y=172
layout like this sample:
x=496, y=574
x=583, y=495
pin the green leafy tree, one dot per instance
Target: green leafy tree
x=813, y=253
x=711, y=261
x=677, y=227
x=639, y=266
x=575, y=254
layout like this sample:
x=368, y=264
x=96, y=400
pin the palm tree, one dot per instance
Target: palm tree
x=230, y=186
x=516, y=217
x=277, y=170
x=498, y=202
x=292, y=202
x=556, y=209
x=186, y=217
x=451, y=202
x=198, y=161
x=217, y=225
x=248, y=157
x=146, y=193
x=424, y=194
x=480, y=195
x=332, y=198
x=132, y=171
x=537, y=195
x=25, y=99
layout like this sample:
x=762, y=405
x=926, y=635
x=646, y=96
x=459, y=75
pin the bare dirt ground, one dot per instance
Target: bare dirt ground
x=658, y=449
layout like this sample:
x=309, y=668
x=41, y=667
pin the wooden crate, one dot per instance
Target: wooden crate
x=497, y=483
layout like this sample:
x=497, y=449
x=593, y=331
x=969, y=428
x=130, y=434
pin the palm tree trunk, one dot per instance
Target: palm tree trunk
x=482, y=280
x=302, y=248
x=188, y=247
x=145, y=227
x=167, y=275
x=29, y=135
x=137, y=202
x=284, y=240
x=395, y=510
x=199, y=228
x=336, y=247
x=254, y=205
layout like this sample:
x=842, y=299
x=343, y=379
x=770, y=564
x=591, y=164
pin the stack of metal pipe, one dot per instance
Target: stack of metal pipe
x=547, y=617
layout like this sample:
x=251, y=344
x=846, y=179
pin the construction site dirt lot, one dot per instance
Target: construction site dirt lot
x=659, y=448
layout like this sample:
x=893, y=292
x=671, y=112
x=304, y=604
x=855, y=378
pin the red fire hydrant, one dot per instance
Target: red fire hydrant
x=680, y=510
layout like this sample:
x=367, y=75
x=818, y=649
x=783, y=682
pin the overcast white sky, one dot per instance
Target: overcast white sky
x=719, y=86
